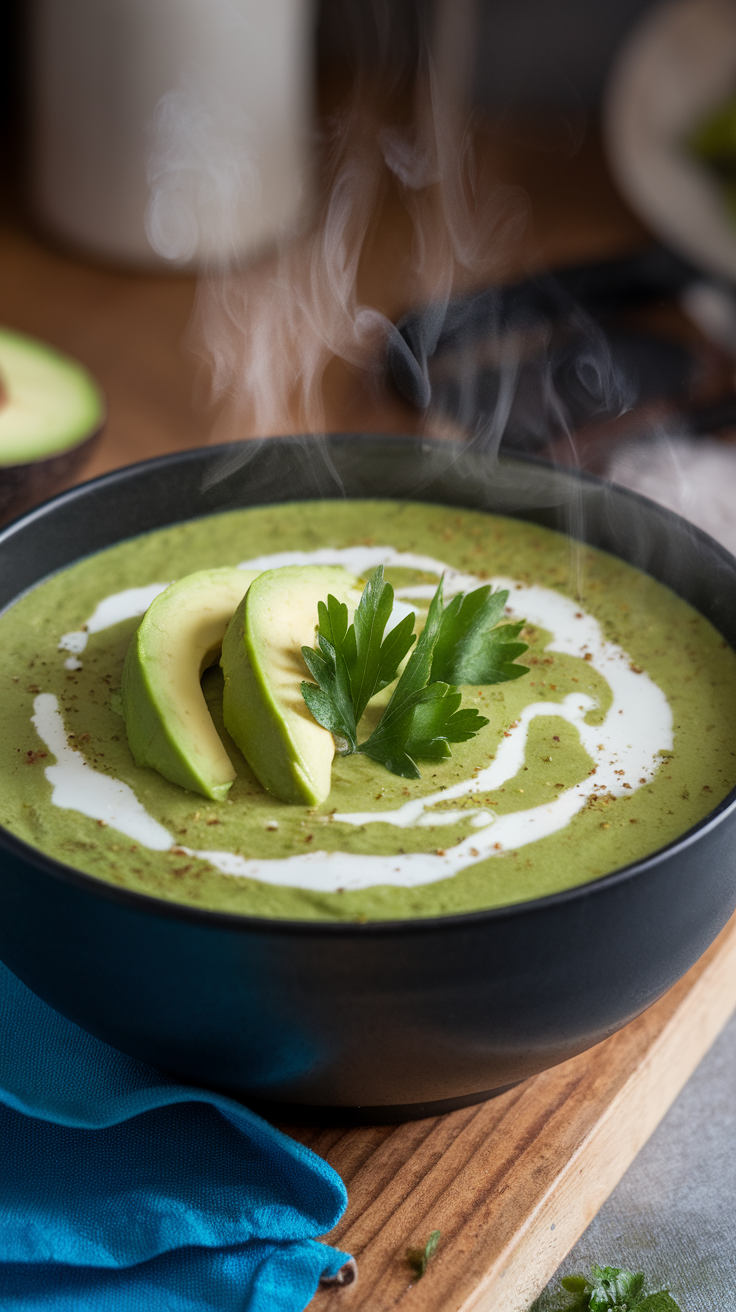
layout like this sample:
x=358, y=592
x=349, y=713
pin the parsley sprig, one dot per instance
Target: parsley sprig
x=612, y=1289
x=460, y=643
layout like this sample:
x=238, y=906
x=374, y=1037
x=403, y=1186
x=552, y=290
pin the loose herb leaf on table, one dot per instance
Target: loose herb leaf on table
x=612, y=1289
x=352, y=663
x=418, y=1258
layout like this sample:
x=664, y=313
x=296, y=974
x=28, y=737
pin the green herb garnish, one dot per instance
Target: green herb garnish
x=418, y=1258
x=469, y=647
x=611, y=1289
x=460, y=643
x=354, y=662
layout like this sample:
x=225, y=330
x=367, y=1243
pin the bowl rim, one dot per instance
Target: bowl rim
x=166, y=909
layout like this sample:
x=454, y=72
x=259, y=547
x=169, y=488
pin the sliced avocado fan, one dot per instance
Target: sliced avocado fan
x=263, y=666
x=168, y=724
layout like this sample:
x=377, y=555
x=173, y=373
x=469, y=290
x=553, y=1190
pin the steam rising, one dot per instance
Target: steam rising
x=314, y=318
x=269, y=332
x=202, y=172
x=229, y=163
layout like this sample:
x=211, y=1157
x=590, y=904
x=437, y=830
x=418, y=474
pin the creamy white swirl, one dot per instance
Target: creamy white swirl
x=625, y=748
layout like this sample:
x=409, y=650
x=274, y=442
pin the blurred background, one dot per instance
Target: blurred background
x=475, y=218
x=247, y=218
x=529, y=55
x=143, y=144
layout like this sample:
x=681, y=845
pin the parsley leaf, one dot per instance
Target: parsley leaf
x=469, y=647
x=377, y=658
x=418, y=1258
x=612, y=1289
x=422, y=724
x=354, y=662
x=421, y=720
x=331, y=703
x=460, y=643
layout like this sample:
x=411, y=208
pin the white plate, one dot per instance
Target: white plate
x=679, y=63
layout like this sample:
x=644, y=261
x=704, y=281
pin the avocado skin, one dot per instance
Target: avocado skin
x=23, y=486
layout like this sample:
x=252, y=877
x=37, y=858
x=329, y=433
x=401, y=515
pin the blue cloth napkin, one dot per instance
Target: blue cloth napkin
x=123, y=1191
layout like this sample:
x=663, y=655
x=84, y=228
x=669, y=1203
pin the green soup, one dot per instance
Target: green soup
x=620, y=738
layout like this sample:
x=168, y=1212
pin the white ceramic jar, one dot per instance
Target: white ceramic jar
x=170, y=130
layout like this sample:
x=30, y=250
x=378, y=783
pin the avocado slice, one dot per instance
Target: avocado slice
x=169, y=726
x=263, y=707
x=51, y=410
x=48, y=401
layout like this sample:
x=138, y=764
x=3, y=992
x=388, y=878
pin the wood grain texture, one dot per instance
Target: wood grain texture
x=514, y=1182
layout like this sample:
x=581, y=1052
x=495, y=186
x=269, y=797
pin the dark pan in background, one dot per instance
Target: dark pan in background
x=551, y=364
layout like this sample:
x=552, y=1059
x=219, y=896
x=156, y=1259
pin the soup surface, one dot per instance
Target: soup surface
x=618, y=740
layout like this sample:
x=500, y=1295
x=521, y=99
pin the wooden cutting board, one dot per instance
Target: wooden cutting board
x=514, y=1182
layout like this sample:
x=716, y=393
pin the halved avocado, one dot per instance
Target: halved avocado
x=50, y=410
x=263, y=707
x=169, y=726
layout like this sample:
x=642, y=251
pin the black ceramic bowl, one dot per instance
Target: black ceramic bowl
x=374, y=1021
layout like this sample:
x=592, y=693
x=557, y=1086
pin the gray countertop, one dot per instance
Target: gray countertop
x=673, y=1215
